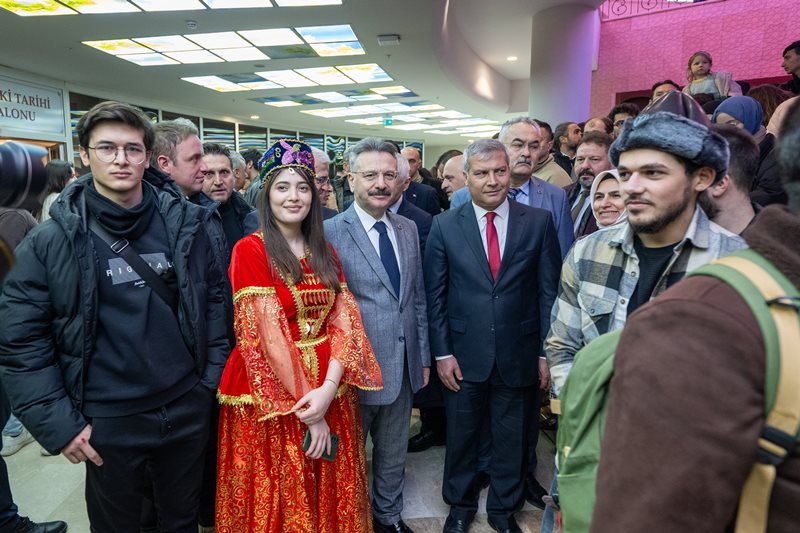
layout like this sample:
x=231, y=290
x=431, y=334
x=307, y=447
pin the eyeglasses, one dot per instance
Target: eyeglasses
x=322, y=180
x=372, y=175
x=108, y=153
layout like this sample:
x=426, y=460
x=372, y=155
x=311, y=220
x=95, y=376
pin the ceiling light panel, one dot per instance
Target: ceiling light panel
x=240, y=54
x=214, y=83
x=327, y=34
x=395, y=90
x=325, y=75
x=366, y=73
x=271, y=37
x=223, y=39
x=302, y=3
x=195, y=56
x=100, y=6
x=231, y=4
x=283, y=103
x=168, y=43
x=118, y=46
x=31, y=8
x=331, y=97
x=286, y=78
x=148, y=60
x=338, y=49
x=409, y=127
x=171, y=5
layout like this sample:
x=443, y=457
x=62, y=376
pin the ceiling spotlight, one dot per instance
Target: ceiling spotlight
x=512, y=58
x=254, y=117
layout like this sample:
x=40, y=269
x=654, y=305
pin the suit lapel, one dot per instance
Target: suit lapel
x=359, y=235
x=472, y=234
x=535, y=194
x=516, y=227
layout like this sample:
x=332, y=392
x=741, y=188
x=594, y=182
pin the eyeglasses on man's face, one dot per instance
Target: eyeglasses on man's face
x=107, y=153
x=372, y=175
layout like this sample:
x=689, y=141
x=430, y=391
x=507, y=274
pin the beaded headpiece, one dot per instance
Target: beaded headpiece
x=286, y=153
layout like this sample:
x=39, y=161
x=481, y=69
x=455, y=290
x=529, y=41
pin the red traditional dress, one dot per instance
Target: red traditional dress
x=286, y=334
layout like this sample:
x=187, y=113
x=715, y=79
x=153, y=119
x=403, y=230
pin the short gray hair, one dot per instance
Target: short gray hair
x=403, y=168
x=483, y=149
x=169, y=134
x=237, y=161
x=369, y=144
x=320, y=157
x=518, y=120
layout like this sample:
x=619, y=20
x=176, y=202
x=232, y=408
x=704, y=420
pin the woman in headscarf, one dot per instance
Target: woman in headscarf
x=746, y=113
x=608, y=205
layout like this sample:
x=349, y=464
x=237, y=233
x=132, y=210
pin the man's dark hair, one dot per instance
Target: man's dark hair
x=597, y=137
x=794, y=46
x=625, y=107
x=665, y=82
x=111, y=111
x=561, y=131
x=545, y=126
x=607, y=124
x=252, y=155
x=211, y=148
x=743, y=164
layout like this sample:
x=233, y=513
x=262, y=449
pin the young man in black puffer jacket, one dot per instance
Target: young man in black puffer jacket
x=95, y=360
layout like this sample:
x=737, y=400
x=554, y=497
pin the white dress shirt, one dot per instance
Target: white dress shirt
x=500, y=224
x=368, y=221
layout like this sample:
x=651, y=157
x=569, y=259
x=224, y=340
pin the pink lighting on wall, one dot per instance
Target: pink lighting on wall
x=744, y=37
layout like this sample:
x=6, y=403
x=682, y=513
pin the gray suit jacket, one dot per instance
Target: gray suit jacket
x=396, y=327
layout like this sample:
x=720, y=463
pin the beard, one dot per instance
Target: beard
x=669, y=215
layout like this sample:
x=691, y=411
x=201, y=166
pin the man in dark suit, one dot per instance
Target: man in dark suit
x=590, y=160
x=420, y=174
x=491, y=284
x=423, y=196
x=406, y=209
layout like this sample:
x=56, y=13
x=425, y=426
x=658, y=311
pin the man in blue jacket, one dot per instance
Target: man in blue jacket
x=111, y=357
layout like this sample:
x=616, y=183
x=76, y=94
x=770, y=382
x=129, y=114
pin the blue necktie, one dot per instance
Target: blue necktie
x=513, y=192
x=388, y=258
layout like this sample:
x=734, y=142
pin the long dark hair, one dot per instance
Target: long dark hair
x=58, y=174
x=322, y=260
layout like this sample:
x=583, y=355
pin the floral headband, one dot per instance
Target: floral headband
x=286, y=153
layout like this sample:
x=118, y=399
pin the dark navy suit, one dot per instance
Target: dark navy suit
x=494, y=328
x=424, y=197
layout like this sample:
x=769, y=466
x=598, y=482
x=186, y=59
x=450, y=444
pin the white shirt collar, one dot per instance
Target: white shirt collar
x=368, y=220
x=501, y=210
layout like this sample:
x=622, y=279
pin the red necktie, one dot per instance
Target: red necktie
x=492, y=244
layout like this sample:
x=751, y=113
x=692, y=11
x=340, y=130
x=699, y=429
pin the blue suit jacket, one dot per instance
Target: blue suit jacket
x=484, y=321
x=544, y=196
x=420, y=218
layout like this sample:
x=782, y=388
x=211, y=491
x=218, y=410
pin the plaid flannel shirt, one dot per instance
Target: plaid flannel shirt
x=600, y=275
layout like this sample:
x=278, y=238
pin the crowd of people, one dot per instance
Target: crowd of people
x=215, y=334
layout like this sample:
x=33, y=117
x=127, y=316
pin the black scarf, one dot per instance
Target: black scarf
x=118, y=221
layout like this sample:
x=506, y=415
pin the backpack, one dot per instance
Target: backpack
x=582, y=404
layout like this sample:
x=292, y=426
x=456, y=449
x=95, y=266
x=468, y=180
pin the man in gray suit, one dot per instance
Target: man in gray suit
x=380, y=257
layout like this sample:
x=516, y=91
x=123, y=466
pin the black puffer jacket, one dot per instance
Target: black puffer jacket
x=48, y=311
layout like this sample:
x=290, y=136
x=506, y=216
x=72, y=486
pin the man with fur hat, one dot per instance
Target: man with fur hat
x=665, y=161
x=692, y=439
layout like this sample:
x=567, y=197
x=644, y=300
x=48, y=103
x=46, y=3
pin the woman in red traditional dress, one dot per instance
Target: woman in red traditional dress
x=301, y=353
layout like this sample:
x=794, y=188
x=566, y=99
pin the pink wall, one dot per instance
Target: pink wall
x=745, y=37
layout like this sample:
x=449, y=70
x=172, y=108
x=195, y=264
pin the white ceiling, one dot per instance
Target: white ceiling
x=492, y=29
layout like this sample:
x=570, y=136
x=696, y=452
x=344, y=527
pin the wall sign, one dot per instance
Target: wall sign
x=30, y=107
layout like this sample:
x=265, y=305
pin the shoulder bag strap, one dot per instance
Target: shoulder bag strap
x=123, y=248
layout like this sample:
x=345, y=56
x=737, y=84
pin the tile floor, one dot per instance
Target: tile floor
x=51, y=488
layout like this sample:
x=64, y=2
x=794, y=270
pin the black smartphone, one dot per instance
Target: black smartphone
x=334, y=445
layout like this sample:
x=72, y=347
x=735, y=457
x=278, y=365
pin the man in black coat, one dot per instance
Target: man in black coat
x=105, y=361
x=491, y=275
